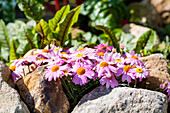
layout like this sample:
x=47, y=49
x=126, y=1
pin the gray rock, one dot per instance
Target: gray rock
x=10, y=101
x=122, y=100
x=6, y=74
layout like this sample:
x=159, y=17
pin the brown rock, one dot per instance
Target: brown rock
x=42, y=96
x=163, y=8
x=159, y=71
x=10, y=101
x=6, y=74
x=75, y=31
x=29, y=53
x=135, y=30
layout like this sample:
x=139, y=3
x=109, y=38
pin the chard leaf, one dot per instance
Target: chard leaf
x=65, y=26
x=12, y=51
x=4, y=41
x=59, y=16
x=146, y=41
x=110, y=34
x=42, y=28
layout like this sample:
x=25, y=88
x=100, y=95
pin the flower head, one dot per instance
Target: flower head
x=81, y=73
x=139, y=72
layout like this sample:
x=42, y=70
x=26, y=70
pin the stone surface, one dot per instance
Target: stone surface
x=135, y=30
x=75, y=31
x=159, y=71
x=10, y=101
x=163, y=8
x=122, y=100
x=145, y=12
x=41, y=95
x=29, y=53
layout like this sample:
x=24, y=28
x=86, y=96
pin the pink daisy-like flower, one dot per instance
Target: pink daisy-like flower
x=105, y=66
x=124, y=71
x=104, y=47
x=118, y=59
x=139, y=72
x=55, y=71
x=81, y=72
x=109, y=81
x=46, y=51
x=16, y=72
x=168, y=89
x=132, y=58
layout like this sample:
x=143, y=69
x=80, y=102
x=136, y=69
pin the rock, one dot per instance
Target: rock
x=122, y=100
x=29, y=53
x=6, y=74
x=41, y=95
x=10, y=101
x=75, y=31
x=135, y=30
x=148, y=14
x=159, y=71
x=163, y=8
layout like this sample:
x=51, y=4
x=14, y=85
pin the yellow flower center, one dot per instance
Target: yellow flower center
x=41, y=59
x=126, y=68
x=101, y=54
x=110, y=78
x=55, y=68
x=79, y=55
x=12, y=68
x=118, y=60
x=134, y=57
x=45, y=50
x=81, y=49
x=104, y=64
x=65, y=71
x=80, y=71
x=21, y=58
x=63, y=53
x=36, y=53
x=56, y=49
x=64, y=58
x=139, y=70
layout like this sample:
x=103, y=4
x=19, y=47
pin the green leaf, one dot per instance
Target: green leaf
x=59, y=16
x=65, y=26
x=12, y=51
x=4, y=41
x=146, y=41
x=42, y=28
x=110, y=34
x=32, y=9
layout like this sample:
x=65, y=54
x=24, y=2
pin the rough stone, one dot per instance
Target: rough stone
x=145, y=12
x=75, y=31
x=159, y=71
x=41, y=95
x=163, y=8
x=135, y=30
x=122, y=100
x=10, y=101
x=29, y=53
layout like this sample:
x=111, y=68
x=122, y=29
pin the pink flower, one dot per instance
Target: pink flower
x=104, y=47
x=109, y=81
x=139, y=72
x=55, y=71
x=105, y=66
x=126, y=75
x=168, y=89
x=81, y=72
x=132, y=58
x=16, y=72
